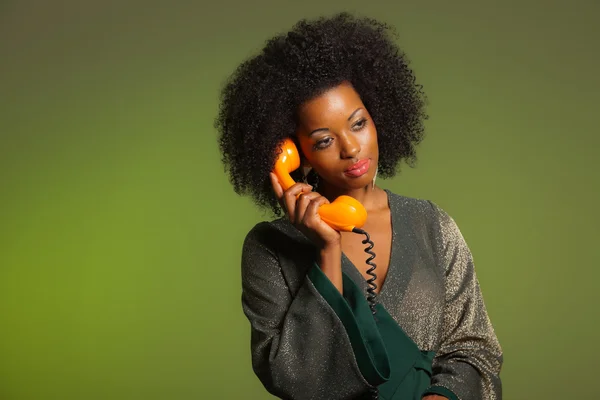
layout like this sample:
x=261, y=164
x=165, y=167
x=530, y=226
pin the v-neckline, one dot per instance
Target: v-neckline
x=391, y=257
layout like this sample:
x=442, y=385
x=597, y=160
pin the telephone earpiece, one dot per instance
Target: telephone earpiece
x=344, y=214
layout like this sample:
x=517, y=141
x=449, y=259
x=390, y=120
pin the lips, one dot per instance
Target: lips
x=358, y=169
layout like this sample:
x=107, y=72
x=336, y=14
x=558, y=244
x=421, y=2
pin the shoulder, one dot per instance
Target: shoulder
x=418, y=210
x=272, y=238
x=432, y=225
x=428, y=216
x=276, y=253
x=264, y=231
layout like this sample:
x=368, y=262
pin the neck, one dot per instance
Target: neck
x=368, y=196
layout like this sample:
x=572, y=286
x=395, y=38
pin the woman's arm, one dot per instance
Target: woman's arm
x=470, y=358
x=330, y=261
x=300, y=347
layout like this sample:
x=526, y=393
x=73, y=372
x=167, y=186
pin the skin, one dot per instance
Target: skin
x=335, y=130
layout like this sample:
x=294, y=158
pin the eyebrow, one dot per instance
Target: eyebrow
x=324, y=129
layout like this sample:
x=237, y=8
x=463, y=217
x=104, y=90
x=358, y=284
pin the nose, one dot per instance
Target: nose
x=349, y=146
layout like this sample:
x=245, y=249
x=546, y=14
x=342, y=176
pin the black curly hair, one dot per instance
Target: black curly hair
x=260, y=100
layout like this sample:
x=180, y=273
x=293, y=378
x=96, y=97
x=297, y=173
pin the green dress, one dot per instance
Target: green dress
x=431, y=333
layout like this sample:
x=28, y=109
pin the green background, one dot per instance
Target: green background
x=120, y=235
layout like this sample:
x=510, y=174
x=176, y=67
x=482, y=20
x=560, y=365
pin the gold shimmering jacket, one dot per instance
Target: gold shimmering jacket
x=432, y=333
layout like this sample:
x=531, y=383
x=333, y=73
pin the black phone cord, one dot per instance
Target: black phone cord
x=371, y=295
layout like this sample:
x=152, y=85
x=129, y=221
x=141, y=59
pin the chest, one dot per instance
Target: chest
x=379, y=228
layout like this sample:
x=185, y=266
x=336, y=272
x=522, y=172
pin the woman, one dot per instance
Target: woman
x=342, y=90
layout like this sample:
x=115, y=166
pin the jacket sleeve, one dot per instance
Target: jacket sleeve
x=300, y=345
x=467, y=365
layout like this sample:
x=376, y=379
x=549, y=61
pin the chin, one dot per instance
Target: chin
x=358, y=183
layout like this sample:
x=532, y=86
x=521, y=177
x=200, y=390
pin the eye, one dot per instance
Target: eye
x=360, y=124
x=323, y=143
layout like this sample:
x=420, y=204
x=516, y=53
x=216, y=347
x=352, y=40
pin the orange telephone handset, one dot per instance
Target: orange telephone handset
x=344, y=214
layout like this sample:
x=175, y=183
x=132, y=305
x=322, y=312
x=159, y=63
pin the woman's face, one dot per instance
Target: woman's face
x=338, y=138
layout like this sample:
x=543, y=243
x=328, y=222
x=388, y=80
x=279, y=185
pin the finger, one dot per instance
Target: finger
x=290, y=197
x=277, y=189
x=302, y=203
x=276, y=185
x=311, y=215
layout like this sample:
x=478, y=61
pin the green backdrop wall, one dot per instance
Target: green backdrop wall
x=120, y=235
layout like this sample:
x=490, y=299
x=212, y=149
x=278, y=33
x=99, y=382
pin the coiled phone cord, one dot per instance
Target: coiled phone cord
x=371, y=295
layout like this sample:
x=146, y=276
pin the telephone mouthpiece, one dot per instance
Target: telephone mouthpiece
x=344, y=214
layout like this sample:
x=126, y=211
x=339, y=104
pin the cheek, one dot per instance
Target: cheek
x=326, y=164
x=305, y=147
x=371, y=139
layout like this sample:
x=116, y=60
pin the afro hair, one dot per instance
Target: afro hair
x=260, y=99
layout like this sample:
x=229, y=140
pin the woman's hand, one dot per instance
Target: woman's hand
x=303, y=213
x=434, y=397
